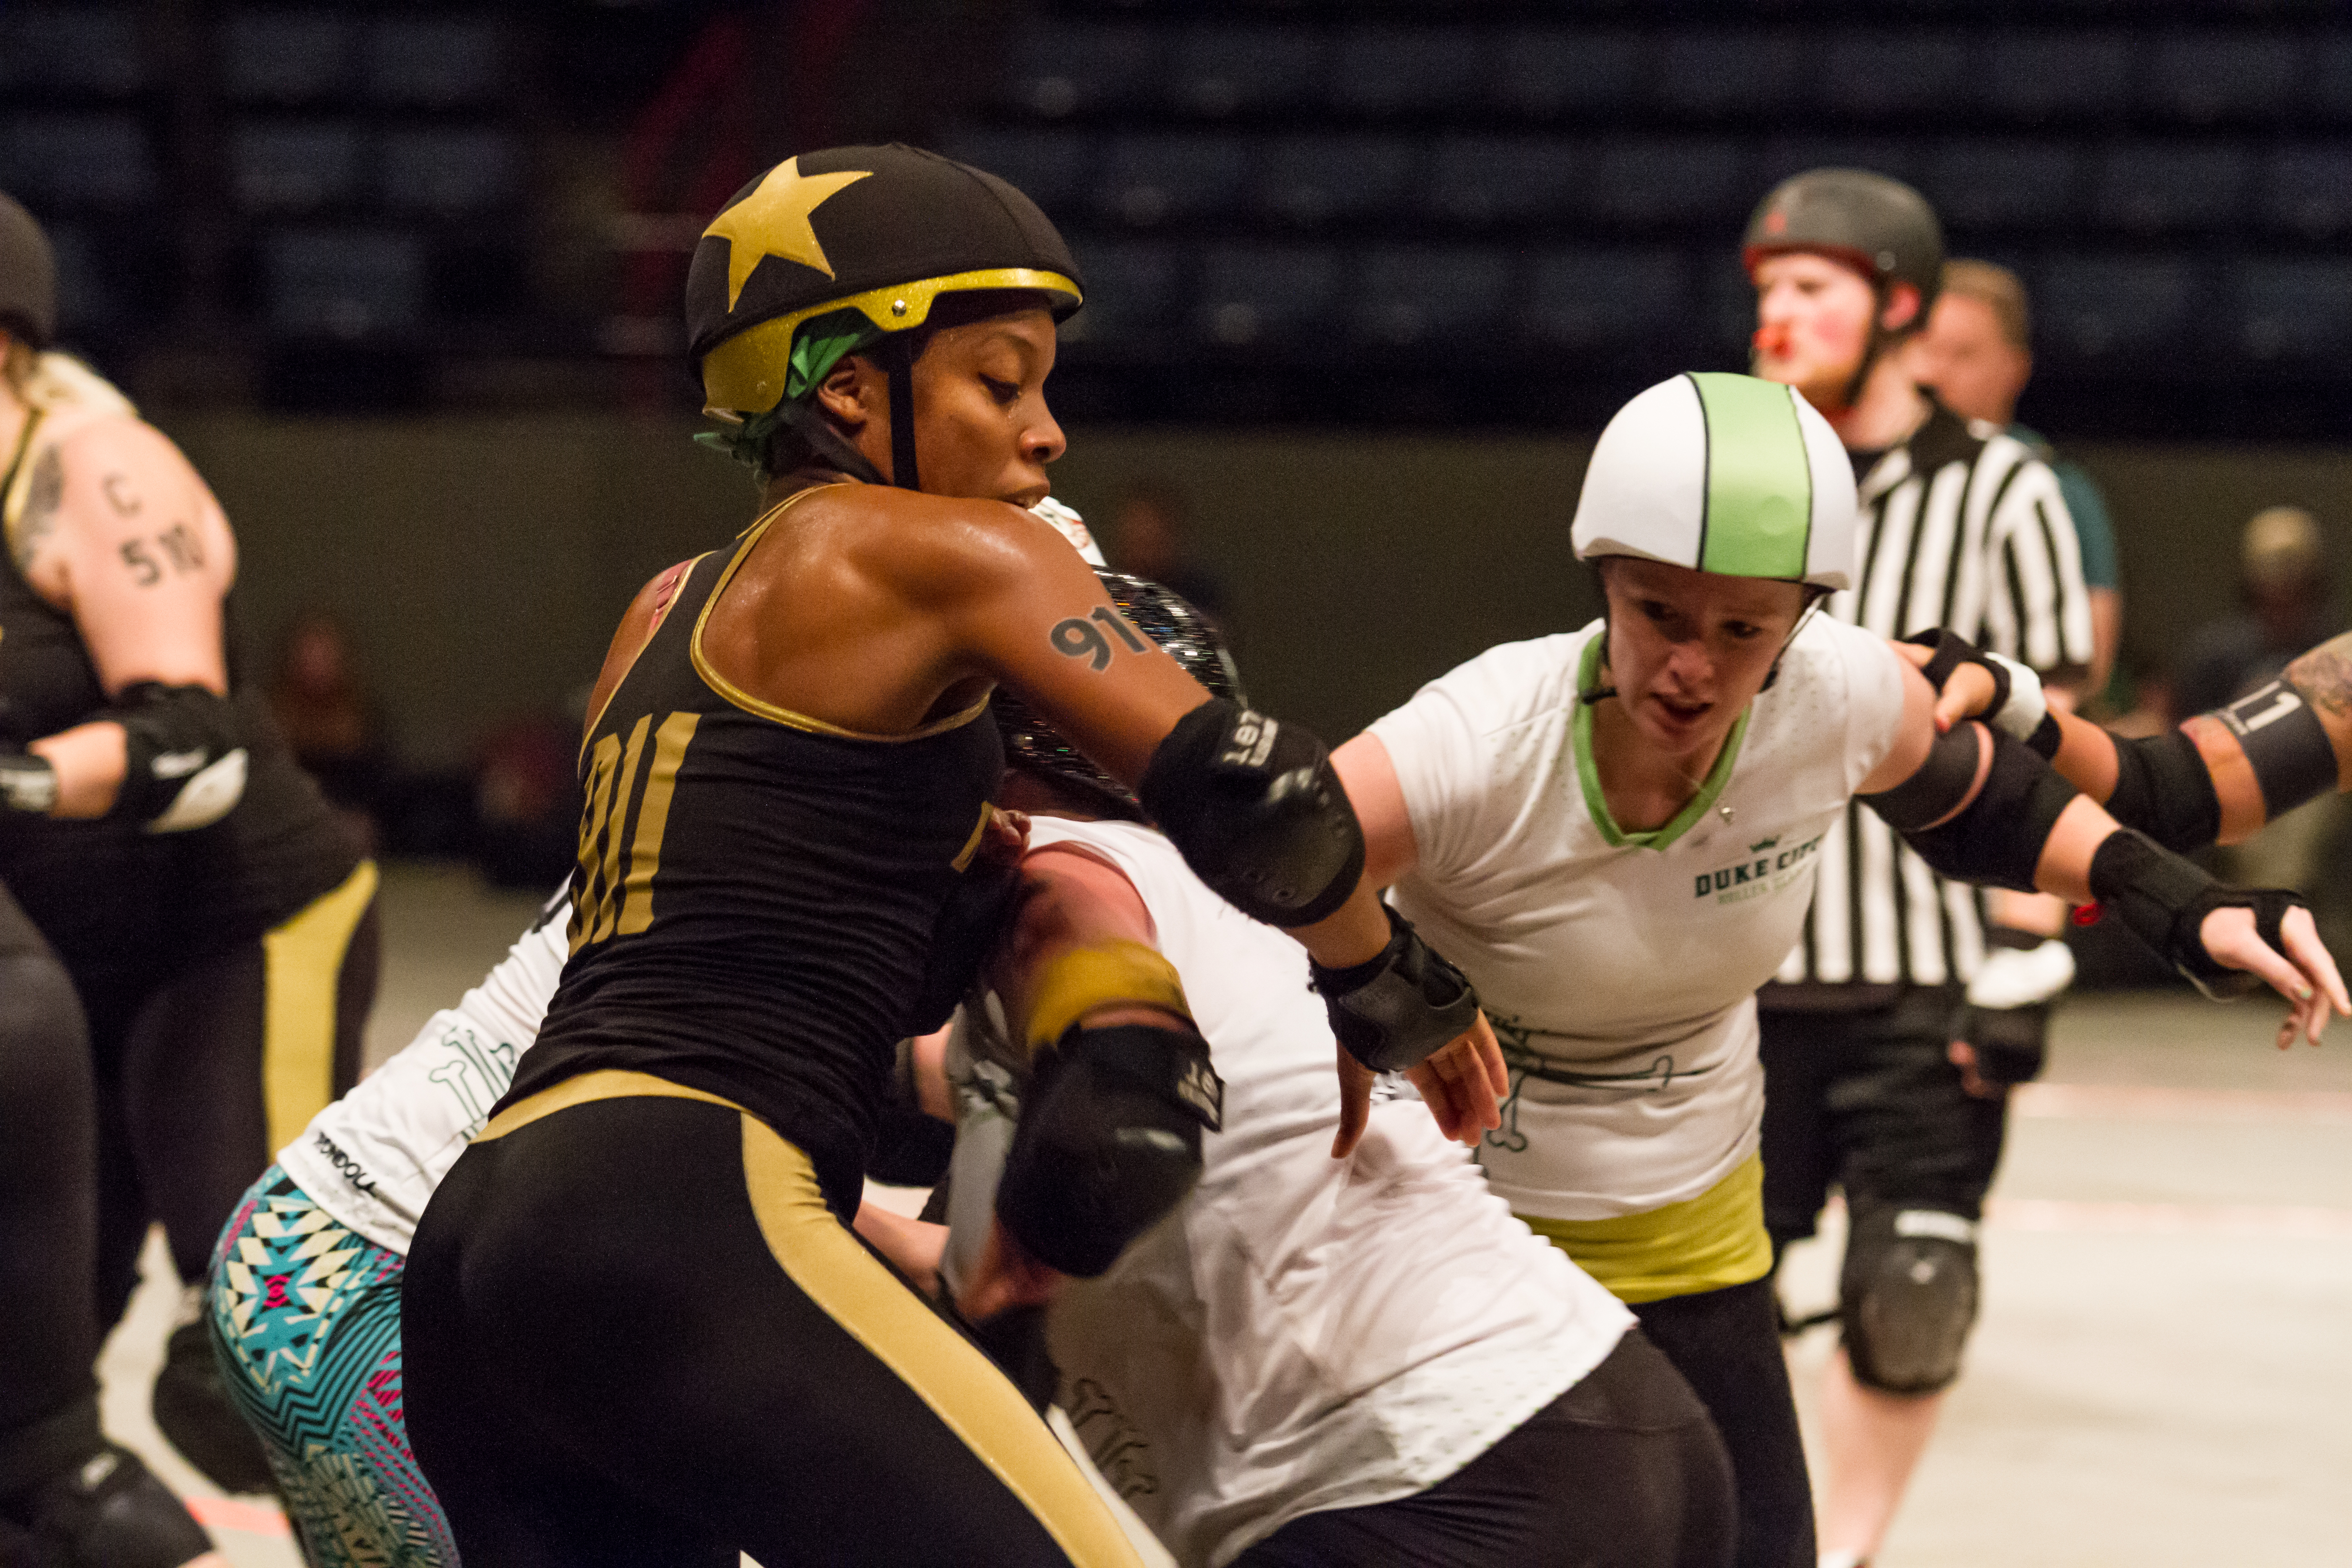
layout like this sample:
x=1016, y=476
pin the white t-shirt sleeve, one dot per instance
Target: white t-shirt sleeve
x=1464, y=746
x=1874, y=715
x=514, y=996
x=1438, y=745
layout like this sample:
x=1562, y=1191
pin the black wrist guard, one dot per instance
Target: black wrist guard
x=1108, y=1142
x=1257, y=813
x=2165, y=900
x=27, y=784
x=1952, y=650
x=1398, y=1009
x=185, y=763
x=2010, y=1042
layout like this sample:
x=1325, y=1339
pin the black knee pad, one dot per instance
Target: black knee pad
x=1909, y=1295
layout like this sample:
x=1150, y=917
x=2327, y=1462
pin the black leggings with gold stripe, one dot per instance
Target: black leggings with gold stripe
x=633, y=1333
x=204, y=1074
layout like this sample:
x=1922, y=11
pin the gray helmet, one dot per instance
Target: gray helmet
x=28, y=277
x=1167, y=620
x=1878, y=226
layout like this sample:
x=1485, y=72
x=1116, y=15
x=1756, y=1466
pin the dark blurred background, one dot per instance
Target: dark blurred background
x=1364, y=277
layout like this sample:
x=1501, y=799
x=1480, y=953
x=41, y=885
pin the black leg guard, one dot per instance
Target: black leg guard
x=192, y=1411
x=72, y=1498
x=111, y=1511
x=1909, y=1297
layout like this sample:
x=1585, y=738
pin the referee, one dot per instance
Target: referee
x=1961, y=527
x=1977, y=354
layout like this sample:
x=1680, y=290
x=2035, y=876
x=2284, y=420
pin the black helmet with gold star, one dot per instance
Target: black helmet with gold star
x=829, y=253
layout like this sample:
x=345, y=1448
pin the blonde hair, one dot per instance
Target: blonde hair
x=1998, y=288
x=50, y=381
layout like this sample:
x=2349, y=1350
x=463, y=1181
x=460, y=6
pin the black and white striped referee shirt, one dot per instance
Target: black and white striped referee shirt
x=1961, y=526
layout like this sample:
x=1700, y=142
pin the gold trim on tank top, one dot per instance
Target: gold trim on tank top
x=661, y=615
x=763, y=709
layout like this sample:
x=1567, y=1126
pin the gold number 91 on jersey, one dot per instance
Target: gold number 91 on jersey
x=615, y=891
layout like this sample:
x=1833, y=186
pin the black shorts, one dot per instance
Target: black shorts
x=1624, y=1470
x=633, y=1333
x=1871, y=1101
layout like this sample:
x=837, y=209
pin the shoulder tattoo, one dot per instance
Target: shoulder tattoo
x=43, y=495
x=2324, y=675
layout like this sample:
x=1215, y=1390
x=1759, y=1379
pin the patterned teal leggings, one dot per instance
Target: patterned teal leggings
x=305, y=1320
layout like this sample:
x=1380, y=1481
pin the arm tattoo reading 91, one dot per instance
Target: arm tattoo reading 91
x=43, y=495
x=2324, y=677
x=1077, y=638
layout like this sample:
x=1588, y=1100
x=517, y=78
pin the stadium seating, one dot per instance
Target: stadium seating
x=2168, y=172
x=1301, y=181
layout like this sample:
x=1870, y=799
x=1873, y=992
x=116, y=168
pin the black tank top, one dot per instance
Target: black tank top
x=756, y=890
x=122, y=905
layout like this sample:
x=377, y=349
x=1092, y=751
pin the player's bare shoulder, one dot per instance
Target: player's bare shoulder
x=108, y=492
x=935, y=551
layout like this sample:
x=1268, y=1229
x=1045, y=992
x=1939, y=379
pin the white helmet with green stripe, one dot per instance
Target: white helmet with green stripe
x=1722, y=473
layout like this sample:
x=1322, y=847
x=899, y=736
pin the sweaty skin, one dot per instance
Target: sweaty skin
x=880, y=610
x=120, y=533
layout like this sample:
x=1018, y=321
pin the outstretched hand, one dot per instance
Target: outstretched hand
x=2306, y=975
x=1464, y=1086
x=1967, y=691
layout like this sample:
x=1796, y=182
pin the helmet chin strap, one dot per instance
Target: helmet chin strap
x=1816, y=599
x=1873, y=347
x=810, y=424
x=898, y=357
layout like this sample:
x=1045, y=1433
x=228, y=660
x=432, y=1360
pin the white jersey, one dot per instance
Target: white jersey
x=373, y=1158
x=1620, y=970
x=1303, y=1333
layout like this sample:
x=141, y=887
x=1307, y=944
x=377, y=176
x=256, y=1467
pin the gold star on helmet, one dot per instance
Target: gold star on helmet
x=773, y=220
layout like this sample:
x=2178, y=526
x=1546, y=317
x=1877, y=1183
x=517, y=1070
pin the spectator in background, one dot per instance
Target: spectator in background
x=2284, y=587
x=1149, y=534
x=1977, y=355
x=2287, y=607
x=330, y=719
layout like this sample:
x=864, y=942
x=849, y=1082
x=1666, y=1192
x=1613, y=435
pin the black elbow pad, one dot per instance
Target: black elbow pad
x=186, y=761
x=1253, y=806
x=1109, y=1142
x=1997, y=840
x=2163, y=789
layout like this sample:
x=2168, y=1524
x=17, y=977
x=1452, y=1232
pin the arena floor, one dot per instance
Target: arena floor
x=2161, y=1379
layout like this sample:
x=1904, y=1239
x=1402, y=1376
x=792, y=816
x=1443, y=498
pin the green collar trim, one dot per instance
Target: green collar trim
x=1588, y=774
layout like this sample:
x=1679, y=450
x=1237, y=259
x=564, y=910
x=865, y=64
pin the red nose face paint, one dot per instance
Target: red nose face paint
x=1771, y=341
